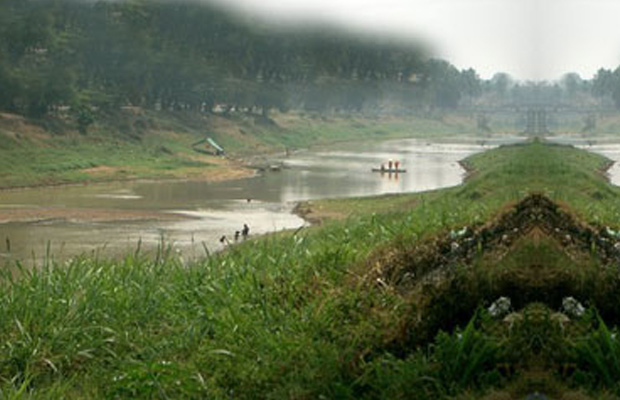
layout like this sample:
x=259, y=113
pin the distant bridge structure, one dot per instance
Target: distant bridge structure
x=536, y=121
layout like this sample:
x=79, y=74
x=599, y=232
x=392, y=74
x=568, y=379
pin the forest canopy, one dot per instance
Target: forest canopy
x=82, y=57
x=62, y=54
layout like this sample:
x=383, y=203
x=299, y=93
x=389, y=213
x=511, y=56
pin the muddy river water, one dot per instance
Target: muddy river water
x=110, y=219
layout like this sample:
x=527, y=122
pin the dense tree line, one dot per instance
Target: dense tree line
x=102, y=55
x=606, y=85
x=569, y=93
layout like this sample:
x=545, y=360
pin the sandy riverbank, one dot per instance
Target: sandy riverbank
x=225, y=171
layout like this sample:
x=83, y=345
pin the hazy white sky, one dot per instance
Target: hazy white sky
x=529, y=39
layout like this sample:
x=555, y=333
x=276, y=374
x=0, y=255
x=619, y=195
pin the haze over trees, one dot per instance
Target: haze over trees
x=173, y=55
x=84, y=59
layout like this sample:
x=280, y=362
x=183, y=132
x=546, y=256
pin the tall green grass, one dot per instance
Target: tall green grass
x=598, y=357
x=285, y=316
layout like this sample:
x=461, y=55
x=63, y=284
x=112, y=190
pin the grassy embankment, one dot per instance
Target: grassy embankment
x=315, y=315
x=141, y=144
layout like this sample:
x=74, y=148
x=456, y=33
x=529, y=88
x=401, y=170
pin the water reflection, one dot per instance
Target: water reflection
x=429, y=165
x=210, y=210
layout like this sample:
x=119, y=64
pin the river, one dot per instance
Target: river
x=111, y=219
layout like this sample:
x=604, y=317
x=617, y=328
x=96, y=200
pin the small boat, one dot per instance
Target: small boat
x=389, y=171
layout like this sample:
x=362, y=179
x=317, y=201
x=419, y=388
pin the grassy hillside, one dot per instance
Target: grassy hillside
x=135, y=143
x=352, y=309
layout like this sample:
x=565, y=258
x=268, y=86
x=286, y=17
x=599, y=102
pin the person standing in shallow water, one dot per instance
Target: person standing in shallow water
x=246, y=231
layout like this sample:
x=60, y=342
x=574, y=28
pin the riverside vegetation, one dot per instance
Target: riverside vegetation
x=393, y=303
x=109, y=90
x=101, y=90
x=137, y=143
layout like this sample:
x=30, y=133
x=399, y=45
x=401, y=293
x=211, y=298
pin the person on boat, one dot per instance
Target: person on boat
x=390, y=164
x=382, y=168
x=246, y=231
x=396, y=165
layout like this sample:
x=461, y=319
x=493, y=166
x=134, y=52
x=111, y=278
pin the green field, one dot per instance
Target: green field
x=389, y=303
